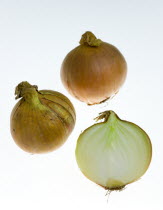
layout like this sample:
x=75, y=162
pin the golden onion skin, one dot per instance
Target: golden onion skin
x=94, y=71
x=42, y=120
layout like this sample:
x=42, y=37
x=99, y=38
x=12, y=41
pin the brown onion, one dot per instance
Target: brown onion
x=94, y=71
x=42, y=120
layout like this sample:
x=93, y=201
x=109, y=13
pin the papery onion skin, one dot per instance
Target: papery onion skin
x=94, y=71
x=42, y=120
x=113, y=153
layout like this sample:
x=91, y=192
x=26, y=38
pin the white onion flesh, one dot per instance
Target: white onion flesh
x=113, y=153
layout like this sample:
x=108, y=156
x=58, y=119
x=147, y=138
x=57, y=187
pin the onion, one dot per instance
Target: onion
x=94, y=71
x=42, y=120
x=113, y=153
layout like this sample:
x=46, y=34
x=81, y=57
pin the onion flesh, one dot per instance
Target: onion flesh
x=113, y=153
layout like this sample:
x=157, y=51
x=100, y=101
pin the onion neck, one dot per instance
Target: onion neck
x=88, y=38
x=107, y=116
x=28, y=92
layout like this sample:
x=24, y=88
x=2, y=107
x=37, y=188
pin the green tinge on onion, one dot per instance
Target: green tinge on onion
x=113, y=153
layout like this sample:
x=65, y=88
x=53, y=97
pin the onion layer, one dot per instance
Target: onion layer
x=42, y=120
x=113, y=153
x=94, y=71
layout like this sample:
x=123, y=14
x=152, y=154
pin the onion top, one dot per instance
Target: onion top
x=42, y=120
x=94, y=71
x=113, y=153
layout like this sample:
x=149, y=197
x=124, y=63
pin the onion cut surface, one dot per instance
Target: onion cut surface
x=113, y=153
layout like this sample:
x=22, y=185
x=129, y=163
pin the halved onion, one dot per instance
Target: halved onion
x=113, y=153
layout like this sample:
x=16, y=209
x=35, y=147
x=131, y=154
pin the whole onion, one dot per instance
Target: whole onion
x=113, y=153
x=94, y=71
x=42, y=120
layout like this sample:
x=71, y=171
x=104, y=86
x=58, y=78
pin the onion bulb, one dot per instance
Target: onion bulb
x=94, y=71
x=113, y=153
x=42, y=120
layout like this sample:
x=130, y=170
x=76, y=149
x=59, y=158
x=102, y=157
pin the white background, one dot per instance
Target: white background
x=35, y=36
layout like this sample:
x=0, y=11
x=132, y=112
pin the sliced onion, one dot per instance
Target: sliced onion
x=113, y=153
